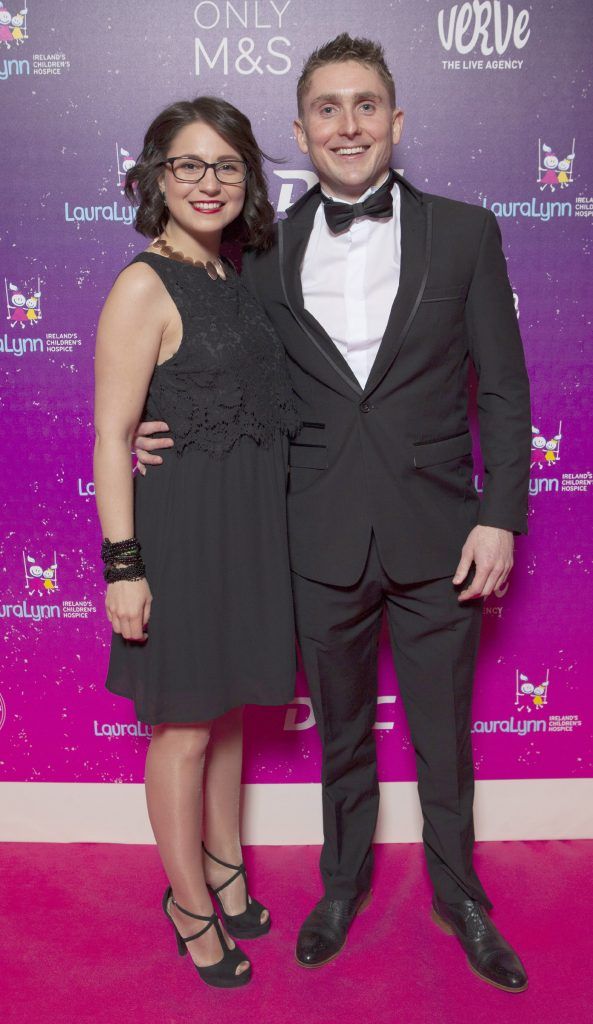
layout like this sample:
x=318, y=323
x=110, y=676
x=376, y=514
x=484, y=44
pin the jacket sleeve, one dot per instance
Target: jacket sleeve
x=504, y=413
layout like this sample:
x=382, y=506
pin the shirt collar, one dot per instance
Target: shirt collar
x=361, y=199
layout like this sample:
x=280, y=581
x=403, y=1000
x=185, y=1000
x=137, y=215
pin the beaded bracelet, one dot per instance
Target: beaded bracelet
x=121, y=547
x=122, y=560
x=137, y=571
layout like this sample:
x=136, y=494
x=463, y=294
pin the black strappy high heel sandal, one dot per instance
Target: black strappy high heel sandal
x=222, y=974
x=246, y=925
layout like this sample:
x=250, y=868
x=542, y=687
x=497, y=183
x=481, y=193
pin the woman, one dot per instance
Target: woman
x=196, y=556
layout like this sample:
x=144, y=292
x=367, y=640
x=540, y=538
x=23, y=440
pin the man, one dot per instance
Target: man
x=382, y=295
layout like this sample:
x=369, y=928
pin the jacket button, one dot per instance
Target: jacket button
x=365, y=407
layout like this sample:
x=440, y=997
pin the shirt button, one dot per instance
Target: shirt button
x=365, y=407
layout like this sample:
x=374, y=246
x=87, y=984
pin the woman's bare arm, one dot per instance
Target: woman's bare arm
x=129, y=337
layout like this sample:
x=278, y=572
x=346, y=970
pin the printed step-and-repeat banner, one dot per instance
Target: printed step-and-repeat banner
x=496, y=98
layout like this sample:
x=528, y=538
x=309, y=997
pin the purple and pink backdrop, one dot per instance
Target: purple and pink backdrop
x=496, y=114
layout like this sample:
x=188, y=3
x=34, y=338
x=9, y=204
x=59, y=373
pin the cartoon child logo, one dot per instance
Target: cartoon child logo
x=40, y=580
x=125, y=162
x=529, y=696
x=5, y=33
x=545, y=453
x=19, y=27
x=23, y=306
x=13, y=27
x=551, y=170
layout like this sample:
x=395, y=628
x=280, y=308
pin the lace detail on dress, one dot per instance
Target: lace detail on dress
x=213, y=411
x=229, y=377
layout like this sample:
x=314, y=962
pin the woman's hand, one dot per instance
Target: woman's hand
x=127, y=603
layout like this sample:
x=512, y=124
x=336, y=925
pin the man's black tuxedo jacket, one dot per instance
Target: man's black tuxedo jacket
x=395, y=457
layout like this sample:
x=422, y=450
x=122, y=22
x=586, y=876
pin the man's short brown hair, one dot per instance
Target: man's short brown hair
x=341, y=49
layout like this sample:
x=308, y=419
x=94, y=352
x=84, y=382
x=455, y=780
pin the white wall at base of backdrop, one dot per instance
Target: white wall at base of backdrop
x=290, y=815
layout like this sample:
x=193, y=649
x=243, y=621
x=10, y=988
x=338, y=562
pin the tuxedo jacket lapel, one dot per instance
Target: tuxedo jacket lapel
x=416, y=237
x=416, y=232
x=293, y=235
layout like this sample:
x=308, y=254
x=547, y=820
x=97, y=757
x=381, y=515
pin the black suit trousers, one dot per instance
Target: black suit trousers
x=434, y=642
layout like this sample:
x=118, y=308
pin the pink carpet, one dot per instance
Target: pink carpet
x=83, y=939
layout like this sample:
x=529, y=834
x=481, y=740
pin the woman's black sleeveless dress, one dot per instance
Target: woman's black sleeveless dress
x=211, y=520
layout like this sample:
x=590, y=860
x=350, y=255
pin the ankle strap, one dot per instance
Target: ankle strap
x=239, y=871
x=197, y=916
x=223, y=863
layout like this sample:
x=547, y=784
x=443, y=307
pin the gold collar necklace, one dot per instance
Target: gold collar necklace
x=213, y=268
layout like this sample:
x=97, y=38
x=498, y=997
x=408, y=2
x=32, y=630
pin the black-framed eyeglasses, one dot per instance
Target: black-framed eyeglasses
x=190, y=169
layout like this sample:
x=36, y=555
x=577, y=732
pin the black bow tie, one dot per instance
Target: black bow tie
x=339, y=216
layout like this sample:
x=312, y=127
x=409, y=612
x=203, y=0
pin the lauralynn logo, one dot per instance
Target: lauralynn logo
x=41, y=590
x=40, y=578
x=13, y=27
x=40, y=581
x=124, y=162
x=545, y=451
x=530, y=696
x=14, y=32
x=545, y=457
x=532, y=700
x=117, y=730
x=24, y=312
x=493, y=33
x=555, y=174
x=23, y=306
x=113, y=212
x=24, y=320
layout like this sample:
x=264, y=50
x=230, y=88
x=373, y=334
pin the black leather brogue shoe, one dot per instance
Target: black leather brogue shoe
x=488, y=954
x=324, y=932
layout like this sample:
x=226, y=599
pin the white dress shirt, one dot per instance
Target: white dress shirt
x=350, y=281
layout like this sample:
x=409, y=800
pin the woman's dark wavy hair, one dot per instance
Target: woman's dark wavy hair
x=253, y=227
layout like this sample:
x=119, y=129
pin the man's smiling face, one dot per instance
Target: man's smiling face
x=348, y=128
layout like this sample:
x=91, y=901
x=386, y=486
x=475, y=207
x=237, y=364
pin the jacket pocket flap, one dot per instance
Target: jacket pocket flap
x=311, y=434
x=444, y=293
x=308, y=456
x=442, y=451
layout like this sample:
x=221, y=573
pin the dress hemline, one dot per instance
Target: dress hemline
x=159, y=720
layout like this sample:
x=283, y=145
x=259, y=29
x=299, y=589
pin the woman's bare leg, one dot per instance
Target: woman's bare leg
x=174, y=784
x=222, y=794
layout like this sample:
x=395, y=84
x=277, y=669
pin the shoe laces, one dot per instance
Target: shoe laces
x=476, y=926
